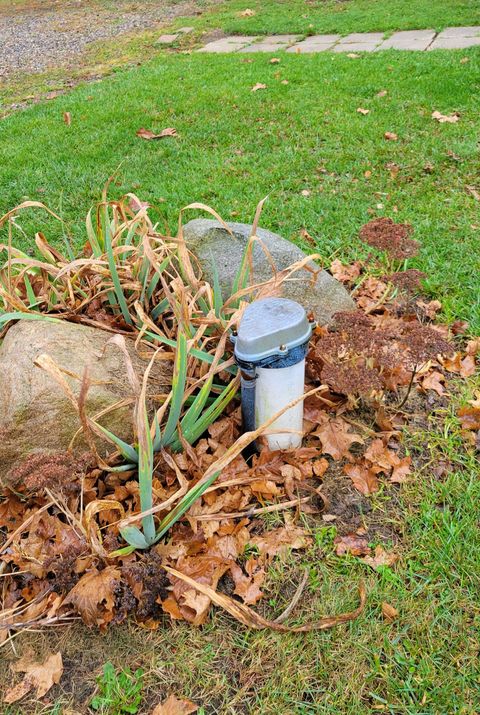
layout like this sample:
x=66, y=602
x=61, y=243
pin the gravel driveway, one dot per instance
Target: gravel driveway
x=34, y=37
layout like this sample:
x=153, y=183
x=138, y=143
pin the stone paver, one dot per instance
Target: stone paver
x=408, y=40
x=359, y=42
x=460, y=32
x=315, y=43
x=420, y=40
x=228, y=44
x=165, y=39
x=272, y=44
x=456, y=38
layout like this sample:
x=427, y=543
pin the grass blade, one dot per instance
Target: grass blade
x=178, y=389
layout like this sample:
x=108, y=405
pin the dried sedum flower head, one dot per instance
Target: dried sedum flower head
x=394, y=238
x=408, y=281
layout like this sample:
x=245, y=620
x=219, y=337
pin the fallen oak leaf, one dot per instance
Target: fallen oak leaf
x=252, y=619
x=363, y=477
x=380, y=558
x=175, y=706
x=41, y=676
x=94, y=595
x=351, y=544
x=446, y=118
x=258, y=86
x=335, y=437
x=401, y=471
x=149, y=135
x=434, y=381
x=345, y=274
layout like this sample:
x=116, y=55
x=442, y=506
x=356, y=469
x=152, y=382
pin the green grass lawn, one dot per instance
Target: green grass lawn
x=320, y=16
x=235, y=147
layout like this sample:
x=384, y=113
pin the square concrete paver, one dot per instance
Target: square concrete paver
x=408, y=40
x=359, y=42
x=453, y=43
x=228, y=44
x=315, y=43
x=460, y=31
x=272, y=43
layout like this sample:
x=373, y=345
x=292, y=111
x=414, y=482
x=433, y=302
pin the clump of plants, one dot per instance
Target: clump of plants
x=161, y=525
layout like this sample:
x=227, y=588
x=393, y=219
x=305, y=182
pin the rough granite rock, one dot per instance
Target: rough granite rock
x=35, y=415
x=210, y=242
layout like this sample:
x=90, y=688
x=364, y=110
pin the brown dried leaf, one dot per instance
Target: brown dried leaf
x=380, y=558
x=469, y=418
x=41, y=676
x=389, y=612
x=248, y=12
x=446, y=118
x=347, y=273
x=93, y=596
x=434, y=381
x=351, y=544
x=149, y=135
x=401, y=471
x=390, y=136
x=67, y=118
x=258, y=86
x=275, y=61
x=335, y=437
x=363, y=477
x=175, y=706
x=363, y=111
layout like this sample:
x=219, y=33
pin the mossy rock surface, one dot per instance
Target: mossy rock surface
x=315, y=289
x=35, y=414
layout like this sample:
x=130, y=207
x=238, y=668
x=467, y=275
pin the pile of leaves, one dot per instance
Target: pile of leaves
x=62, y=553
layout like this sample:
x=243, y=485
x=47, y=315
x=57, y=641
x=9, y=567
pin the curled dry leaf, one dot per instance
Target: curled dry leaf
x=389, y=612
x=258, y=86
x=149, y=135
x=363, y=111
x=175, y=706
x=434, y=381
x=275, y=61
x=380, y=558
x=336, y=438
x=446, y=118
x=345, y=274
x=248, y=12
x=351, y=544
x=94, y=595
x=41, y=676
x=363, y=477
x=390, y=136
x=67, y=118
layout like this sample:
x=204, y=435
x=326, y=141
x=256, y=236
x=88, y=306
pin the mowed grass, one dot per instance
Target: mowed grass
x=343, y=16
x=236, y=146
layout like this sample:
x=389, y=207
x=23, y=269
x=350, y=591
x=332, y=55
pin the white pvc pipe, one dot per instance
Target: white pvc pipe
x=275, y=388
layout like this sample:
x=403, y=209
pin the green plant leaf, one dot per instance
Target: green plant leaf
x=134, y=537
x=125, y=449
x=178, y=389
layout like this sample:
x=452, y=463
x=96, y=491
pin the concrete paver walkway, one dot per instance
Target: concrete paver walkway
x=449, y=39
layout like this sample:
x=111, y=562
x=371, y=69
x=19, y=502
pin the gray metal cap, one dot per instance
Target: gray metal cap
x=271, y=326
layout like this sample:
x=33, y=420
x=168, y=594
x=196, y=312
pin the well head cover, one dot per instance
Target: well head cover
x=271, y=326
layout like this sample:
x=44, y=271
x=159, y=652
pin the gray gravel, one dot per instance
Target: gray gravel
x=36, y=39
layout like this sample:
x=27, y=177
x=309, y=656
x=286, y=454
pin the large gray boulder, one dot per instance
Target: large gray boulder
x=212, y=243
x=35, y=414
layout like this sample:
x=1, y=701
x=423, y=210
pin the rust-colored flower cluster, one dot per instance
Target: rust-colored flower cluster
x=394, y=238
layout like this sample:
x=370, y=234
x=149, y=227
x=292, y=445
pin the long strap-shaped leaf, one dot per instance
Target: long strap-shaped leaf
x=113, y=270
x=179, y=380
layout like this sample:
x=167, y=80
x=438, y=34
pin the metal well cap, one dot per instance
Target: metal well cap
x=271, y=326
